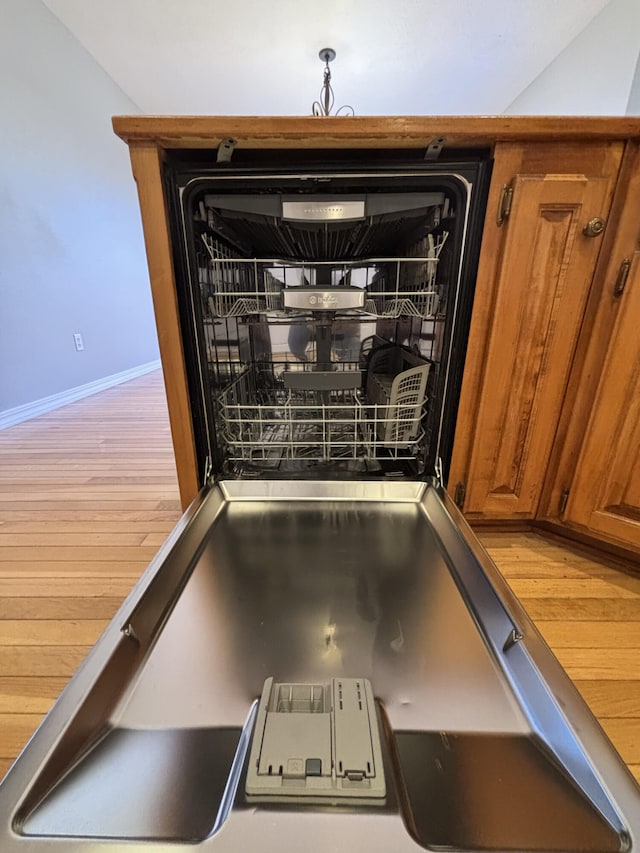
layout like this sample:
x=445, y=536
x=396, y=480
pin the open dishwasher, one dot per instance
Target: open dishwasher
x=325, y=313
x=322, y=655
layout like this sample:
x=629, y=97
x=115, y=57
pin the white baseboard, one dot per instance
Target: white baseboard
x=11, y=417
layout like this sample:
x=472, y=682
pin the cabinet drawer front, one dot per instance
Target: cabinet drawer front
x=543, y=281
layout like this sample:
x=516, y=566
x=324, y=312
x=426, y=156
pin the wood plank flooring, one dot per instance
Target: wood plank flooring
x=87, y=495
x=89, y=492
x=589, y=614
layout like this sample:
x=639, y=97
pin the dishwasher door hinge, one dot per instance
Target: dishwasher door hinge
x=504, y=204
x=225, y=150
x=562, y=505
x=459, y=495
x=208, y=470
x=434, y=148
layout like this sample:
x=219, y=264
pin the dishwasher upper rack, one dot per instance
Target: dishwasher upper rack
x=263, y=421
x=395, y=287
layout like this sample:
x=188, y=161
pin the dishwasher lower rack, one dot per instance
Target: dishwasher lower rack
x=263, y=420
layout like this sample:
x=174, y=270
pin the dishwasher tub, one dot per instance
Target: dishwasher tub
x=486, y=744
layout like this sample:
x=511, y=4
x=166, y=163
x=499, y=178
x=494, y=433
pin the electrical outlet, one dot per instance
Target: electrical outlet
x=77, y=339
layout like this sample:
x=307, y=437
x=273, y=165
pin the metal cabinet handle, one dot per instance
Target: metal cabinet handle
x=621, y=278
x=594, y=227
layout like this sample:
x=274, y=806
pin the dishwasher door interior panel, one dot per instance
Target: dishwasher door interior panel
x=484, y=742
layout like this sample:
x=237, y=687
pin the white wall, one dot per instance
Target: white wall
x=594, y=74
x=633, y=107
x=71, y=248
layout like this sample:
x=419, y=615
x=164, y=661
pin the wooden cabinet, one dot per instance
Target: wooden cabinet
x=549, y=403
x=536, y=286
x=595, y=478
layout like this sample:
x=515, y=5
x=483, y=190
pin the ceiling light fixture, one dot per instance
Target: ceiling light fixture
x=324, y=106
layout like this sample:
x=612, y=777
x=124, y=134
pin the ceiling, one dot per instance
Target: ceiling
x=394, y=57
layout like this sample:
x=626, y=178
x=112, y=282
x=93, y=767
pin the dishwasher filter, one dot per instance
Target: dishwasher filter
x=316, y=741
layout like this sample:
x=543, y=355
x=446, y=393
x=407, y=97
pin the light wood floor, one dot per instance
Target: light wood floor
x=89, y=492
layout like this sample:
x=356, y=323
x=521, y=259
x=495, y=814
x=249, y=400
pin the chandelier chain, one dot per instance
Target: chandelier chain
x=324, y=105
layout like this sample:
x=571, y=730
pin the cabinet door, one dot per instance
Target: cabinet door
x=542, y=283
x=605, y=493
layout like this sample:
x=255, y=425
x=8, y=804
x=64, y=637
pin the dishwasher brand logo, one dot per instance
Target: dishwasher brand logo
x=324, y=300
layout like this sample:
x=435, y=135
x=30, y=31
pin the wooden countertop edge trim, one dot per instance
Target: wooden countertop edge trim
x=258, y=131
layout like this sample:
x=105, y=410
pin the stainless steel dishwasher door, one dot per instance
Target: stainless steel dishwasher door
x=313, y=580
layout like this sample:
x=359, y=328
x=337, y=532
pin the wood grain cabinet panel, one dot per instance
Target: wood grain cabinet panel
x=542, y=285
x=604, y=497
x=146, y=162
